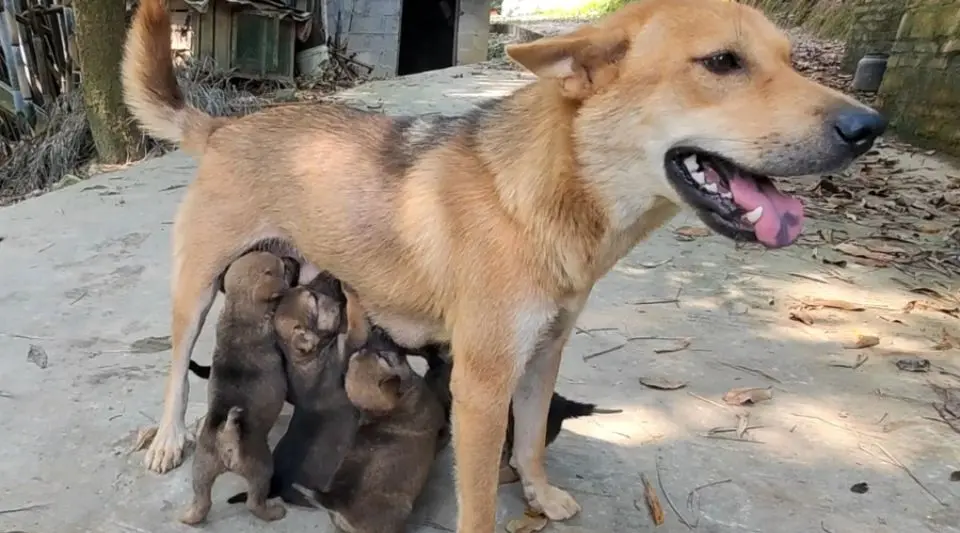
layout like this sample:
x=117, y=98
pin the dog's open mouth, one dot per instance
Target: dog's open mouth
x=733, y=201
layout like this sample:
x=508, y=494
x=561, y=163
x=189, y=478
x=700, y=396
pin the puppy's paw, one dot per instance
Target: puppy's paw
x=195, y=514
x=269, y=512
x=556, y=504
x=166, y=451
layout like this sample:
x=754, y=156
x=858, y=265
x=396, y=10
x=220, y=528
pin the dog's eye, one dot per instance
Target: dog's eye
x=722, y=63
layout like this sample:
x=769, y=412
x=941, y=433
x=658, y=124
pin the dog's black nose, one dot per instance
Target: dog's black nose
x=859, y=127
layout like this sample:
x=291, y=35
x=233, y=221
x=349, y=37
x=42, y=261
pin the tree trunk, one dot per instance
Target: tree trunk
x=101, y=30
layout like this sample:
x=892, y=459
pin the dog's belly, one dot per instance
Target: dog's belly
x=409, y=332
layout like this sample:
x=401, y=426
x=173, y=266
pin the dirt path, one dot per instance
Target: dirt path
x=85, y=280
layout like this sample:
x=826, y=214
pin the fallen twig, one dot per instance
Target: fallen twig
x=24, y=508
x=734, y=439
x=693, y=497
x=896, y=462
x=666, y=496
x=751, y=371
x=674, y=300
x=834, y=424
x=861, y=359
x=590, y=356
x=711, y=402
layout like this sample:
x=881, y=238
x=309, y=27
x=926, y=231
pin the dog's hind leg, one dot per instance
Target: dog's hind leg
x=258, y=470
x=206, y=468
x=531, y=403
x=208, y=235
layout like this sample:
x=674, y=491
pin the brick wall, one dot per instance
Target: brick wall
x=473, y=31
x=921, y=88
x=874, y=29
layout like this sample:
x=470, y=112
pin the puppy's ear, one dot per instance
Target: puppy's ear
x=390, y=387
x=582, y=62
x=291, y=271
x=357, y=324
x=303, y=340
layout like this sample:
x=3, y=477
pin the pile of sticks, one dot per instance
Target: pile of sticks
x=37, y=38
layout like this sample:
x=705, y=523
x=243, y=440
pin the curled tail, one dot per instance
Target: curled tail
x=202, y=372
x=150, y=86
x=565, y=408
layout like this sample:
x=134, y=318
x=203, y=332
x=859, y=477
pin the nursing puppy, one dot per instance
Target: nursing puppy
x=247, y=388
x=380, y=477
x=561, y=408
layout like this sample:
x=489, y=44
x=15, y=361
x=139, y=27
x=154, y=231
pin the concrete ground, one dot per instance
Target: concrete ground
x=84, y=315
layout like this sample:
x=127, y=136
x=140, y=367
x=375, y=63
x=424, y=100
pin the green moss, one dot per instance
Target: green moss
x=830, y=19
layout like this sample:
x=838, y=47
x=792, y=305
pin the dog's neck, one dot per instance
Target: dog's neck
x=526, y=141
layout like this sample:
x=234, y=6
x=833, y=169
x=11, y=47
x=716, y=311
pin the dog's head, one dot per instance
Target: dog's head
x=697, y=101
x=309, y=316
x=377, y=376
x=260, y=276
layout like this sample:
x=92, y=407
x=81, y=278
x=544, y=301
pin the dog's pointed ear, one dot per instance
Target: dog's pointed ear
x=583, y=62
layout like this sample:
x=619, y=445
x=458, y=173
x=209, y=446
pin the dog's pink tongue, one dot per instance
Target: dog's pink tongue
x=782, y=218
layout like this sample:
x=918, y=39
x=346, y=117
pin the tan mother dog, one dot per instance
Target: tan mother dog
x=490, y=230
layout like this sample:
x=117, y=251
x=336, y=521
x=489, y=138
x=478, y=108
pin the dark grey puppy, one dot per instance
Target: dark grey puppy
x=247, y=388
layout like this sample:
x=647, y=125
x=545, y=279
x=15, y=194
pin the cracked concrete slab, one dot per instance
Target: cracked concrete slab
x=85, y=274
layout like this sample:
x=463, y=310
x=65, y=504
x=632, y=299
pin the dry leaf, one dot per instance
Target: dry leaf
x=748, y=395
x=834, y=304
x=856, y=250
x=144, y=438
x=693, y=231
x=37, y=355
x=913, y=364
x=801, y=315
x=863, y=341
x=946, y=342
x=653, y=501
x=530, y=522
x=918, y=305
x=662, y=384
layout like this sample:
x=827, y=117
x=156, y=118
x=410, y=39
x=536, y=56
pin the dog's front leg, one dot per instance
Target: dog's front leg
x=490, y=350
x=191, y=303
x=531, y=403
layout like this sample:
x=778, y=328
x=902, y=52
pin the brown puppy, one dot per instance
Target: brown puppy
x=381, y=477
x=247, y=388
x=490, y=230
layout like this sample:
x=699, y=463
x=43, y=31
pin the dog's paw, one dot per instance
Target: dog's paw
x=556, y=504
x=270, y=512
x=166, y=451
x=194, y=514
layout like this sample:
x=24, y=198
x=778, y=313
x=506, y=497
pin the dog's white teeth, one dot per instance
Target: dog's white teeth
x=691, y=164
x=753, y=216
x=711, y=188
x=699, y=177
x=726, y=195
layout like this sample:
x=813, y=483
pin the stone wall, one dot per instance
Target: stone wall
x=473, y=31
x=874, y=29
x=921, y=89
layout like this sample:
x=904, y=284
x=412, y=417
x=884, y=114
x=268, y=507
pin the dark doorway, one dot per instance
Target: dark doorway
x=428, y=30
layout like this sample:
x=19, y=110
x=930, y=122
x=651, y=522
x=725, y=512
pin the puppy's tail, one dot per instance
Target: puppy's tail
x=566, y=408
x=150, y=86
x=202, y=372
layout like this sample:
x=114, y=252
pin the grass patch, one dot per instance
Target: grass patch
x=829, y=19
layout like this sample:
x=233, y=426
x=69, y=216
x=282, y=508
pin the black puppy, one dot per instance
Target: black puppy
x=440, y=367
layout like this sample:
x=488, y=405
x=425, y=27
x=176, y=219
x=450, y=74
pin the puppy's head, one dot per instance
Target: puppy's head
x=378, y=375
x=260, y=276
x=310, y=316
x=697, y=102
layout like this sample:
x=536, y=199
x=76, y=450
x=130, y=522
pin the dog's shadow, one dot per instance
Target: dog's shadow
x=590, y=469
